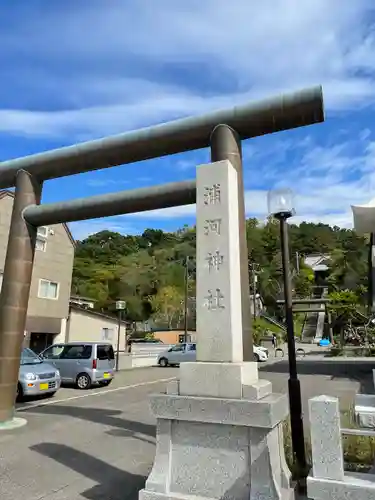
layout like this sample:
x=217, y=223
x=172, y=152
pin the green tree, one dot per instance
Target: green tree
x=167, y=306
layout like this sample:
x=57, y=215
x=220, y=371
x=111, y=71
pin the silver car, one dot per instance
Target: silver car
x=180, y=353
x=177, y=354
x=83, y=363
x=36, y=376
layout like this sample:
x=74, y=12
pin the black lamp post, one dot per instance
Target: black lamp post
x=364, y=223
x=280, y=206
x=186, y=299
x=120, y=306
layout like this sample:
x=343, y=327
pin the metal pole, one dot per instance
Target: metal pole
x=295, y=400
x=371, y=275
x=14, y=296
x=306, y=301
x=255, y=293
x=226, y=145
x=329, y=321
x=297, y=262
x=186, y=299
x=118, y=341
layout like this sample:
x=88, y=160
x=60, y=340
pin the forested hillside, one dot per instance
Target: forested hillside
x=147, y=271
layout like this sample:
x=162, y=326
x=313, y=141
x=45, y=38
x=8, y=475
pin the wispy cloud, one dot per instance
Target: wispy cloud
x=82, y=230
x=326, y=180
x=88, y=69
x=132, y=66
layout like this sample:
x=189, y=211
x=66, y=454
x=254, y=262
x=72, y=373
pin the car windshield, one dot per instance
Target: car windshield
x=28, y=357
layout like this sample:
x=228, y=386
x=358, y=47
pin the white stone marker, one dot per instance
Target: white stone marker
x=218, y=430
x=219, y=320
x=219, y=370
x=328, y=480
x=326, y=441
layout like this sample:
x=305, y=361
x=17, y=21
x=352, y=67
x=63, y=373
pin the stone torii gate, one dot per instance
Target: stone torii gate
x=222, y=131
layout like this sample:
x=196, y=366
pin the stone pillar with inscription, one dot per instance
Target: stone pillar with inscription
x=219, y=428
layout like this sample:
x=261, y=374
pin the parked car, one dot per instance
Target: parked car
x=83, y=363
x=36, y=376
x=260, y=353
x=187, y=352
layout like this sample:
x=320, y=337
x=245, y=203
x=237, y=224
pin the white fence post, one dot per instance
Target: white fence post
x=326, y=443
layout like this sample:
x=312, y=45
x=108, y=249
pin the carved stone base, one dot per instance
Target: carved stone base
x=216, y=448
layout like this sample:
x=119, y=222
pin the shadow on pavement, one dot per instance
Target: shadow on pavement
x=113, y=483
x=360, y=372
x=102, y=416
x=126, y=433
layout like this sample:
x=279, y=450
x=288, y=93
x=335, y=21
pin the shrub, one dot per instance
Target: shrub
x=359, y=451
x=336, y=351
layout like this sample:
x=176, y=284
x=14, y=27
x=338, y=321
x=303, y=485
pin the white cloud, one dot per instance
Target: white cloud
x=326, y=181
x=82, y=230
x=132, y=65
x=95, y=68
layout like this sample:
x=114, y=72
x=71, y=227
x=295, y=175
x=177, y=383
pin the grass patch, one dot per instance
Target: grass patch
x=261, y=326
x=299, y=320
x=359, y=451
x=264, y=325
x=350, y=351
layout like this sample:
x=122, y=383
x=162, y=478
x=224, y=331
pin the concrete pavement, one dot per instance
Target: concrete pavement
x=100, y=444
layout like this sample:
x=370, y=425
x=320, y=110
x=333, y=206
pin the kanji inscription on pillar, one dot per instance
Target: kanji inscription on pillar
x=215, y=300
x=219, y=318
x=212, y=194
x=214, y=260
x=212, y=226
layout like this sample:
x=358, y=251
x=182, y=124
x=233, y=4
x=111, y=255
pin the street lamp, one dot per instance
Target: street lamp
x=186, y=298
x=120, y=306
x=364, y=222
x=281, y=206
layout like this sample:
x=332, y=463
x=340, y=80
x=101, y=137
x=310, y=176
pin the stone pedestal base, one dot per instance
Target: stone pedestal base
x=364, y=410
x=219, y=448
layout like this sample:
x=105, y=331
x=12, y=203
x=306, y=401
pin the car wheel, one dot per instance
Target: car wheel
x=163, y=362
x=19, y=393
x=83, y=381
x=256, y=357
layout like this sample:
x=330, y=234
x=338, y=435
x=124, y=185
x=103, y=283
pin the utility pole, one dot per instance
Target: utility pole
x=120, y=306
x=186, y=299
x=254, y=287
x=297, y=262
x=255, y=279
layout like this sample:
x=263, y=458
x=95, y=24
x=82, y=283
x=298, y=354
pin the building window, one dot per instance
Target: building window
x=107, y=333
x=48, y=289
x=43, y=231
x=40, y=245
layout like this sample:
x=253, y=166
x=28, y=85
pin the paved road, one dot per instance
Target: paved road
x=100, y=444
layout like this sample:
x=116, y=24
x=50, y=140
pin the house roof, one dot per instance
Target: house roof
x=79, y=297
x=90, y=312
x=317, y=262
x=6, y=192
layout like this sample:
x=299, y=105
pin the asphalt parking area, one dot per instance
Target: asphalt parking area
x=84, y=444
x=100, y=443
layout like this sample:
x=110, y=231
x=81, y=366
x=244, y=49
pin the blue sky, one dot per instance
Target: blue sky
x=77, y=70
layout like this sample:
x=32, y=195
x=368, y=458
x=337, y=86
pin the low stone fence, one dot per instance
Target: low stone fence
x=142, y=355
x=328, y=479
